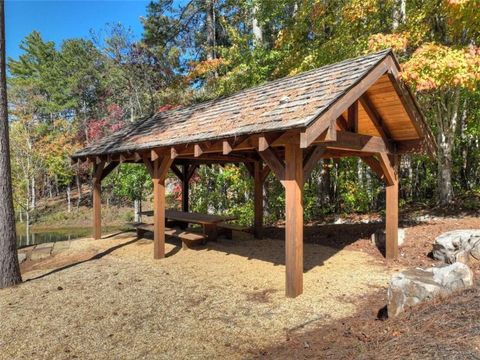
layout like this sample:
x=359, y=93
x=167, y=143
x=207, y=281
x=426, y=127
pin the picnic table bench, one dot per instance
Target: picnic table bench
x=210, y=225
x=189, y=239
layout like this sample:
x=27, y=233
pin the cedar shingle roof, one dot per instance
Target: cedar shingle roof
x=287, y=103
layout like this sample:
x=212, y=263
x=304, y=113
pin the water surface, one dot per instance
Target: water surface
x=39, y=236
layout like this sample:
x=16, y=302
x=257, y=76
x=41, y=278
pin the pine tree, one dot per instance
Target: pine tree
x=9, y=267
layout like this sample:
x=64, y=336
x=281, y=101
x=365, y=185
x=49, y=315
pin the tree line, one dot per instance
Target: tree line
x=65, y=96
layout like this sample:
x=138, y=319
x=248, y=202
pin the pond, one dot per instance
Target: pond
x=39, y=236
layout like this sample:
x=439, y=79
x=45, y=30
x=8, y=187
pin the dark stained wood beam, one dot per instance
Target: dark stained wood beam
x=265, y=172
x=137, y=156
x=351, y=141
x=311, y=160
x=352, y=117
x=185, y=186
x=97, y=199
x=108, y=169
x=258, y=180
x=343, y=124
x=177, y=172
x=374, y=165
x=387, y=168
x=148, y=164
x=251, y=169
x=191, y=171
x=274, y=163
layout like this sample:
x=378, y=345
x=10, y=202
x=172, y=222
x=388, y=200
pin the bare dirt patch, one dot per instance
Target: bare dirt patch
x=222, y=301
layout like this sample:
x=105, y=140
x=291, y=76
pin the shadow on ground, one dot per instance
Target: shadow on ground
x=271, y=249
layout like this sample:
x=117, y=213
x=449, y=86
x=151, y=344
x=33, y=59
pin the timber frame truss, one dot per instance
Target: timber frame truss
x=290, y=155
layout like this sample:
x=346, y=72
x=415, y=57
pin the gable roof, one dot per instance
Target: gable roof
x=283, y=104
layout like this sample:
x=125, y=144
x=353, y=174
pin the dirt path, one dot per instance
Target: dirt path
x=223, y=301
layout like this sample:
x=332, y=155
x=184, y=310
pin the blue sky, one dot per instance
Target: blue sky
x=64, y=19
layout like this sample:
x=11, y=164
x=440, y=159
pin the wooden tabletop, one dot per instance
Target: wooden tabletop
x=192, y=217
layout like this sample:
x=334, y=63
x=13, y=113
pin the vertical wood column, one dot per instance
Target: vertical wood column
x=185, y=188
x=97, y=199
x=160, y=169
x=293, y=219
x=97, y=209
x=258, y=200
x=391, y=218
x=158, y=212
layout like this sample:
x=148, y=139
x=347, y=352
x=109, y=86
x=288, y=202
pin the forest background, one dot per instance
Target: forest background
x=65, y=96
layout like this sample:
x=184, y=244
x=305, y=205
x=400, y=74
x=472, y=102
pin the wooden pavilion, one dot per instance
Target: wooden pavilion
x=358, y=107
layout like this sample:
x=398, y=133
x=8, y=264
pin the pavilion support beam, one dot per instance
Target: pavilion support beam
x=293, y=220
x=97, y=199
x=391, y=217
x=258, y=200
x=185, y=188
x=160, y=170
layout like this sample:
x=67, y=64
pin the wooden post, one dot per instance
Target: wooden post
x=97, y=199
x=185, y=188
x=258, y=200
x=160, y=170
x=391, y=218
x=97, y=212
x=293, y=219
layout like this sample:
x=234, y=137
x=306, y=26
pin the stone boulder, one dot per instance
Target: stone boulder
x=414, y=286
x=378, y=238
x=457, y=245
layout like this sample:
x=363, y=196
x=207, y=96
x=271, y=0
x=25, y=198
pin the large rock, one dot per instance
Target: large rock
x=413, y=286
x=451, y=246
x=378, y=238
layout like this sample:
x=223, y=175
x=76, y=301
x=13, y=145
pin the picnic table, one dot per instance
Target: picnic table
x=209, y=223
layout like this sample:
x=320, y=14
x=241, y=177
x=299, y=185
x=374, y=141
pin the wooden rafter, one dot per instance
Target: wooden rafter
x=352, y=117
x=364, y=143
x=148, y=164
x=374, y=165
x=311, y=160
x=387, y=168
x=375, y=117
x=108, y=169
x=177, y=172
x=320, y=123
x=275, y=164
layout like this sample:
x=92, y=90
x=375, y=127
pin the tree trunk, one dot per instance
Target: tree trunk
x=79, y=190
x=34, y=200
x=136, y=211
x=445, y=164
x=447, y=120
x=9, y=267
x=399, y=13
x=256, y=28
x=210, y=25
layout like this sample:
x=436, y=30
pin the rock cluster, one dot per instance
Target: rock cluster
x=457, y=245
x=413, y=286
